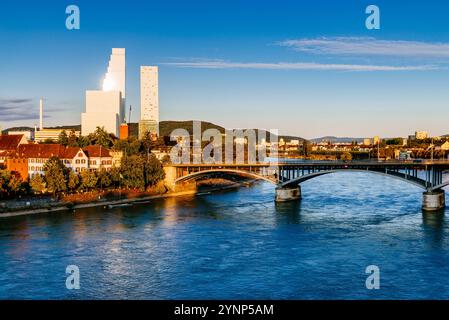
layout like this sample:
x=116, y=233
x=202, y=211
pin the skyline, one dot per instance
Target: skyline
x=232, y=68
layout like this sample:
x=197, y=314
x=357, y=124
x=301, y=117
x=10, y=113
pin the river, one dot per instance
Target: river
x=237, y=245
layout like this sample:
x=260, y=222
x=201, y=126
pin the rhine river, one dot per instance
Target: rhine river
x=237, y=245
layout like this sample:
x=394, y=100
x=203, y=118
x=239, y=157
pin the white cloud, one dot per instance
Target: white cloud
x=219, y=64
x=369, y=46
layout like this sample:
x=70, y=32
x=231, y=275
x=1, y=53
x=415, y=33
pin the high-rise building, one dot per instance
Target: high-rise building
x=106, y=108
x=149, y=101
x=102, y=110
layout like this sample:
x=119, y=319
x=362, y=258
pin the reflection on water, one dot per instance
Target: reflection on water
x=236, y=244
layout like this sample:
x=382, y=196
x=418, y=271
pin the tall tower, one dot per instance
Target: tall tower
x=115, y=78
x=149, y=101
x=106, y=107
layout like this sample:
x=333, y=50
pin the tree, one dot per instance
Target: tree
x=115, y=176
x=166, y=159
x=147, y=143
x=132, y=171
x=72, y=140
x=104, y=180
x=15, y=183
x=48, y=141
x=5, y=176
x=73, y=181
x=88, y=179
x=346, y=156
x=37, y=183
x=395, y=141
x=130, y=146
x=83, y=141
x=154, y=172
x=55, y=175
x=63, y=138
x=101, y=137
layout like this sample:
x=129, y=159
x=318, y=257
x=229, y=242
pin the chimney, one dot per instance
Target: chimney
x=41, y=114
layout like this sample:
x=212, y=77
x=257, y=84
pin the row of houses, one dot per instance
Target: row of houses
x=28, y=159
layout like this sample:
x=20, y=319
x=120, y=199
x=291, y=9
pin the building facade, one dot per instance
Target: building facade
x=51, y=134
x=106, y=107
x=99, y=158
x=149, y=101
x=10, y=143
x=102, y=110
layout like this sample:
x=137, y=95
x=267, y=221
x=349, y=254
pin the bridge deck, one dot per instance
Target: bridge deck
x=425, y=174
x=421, y=164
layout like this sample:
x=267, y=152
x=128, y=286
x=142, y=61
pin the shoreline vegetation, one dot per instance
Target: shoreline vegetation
x=116, y=197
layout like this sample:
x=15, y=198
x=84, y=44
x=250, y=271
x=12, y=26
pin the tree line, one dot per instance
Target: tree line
x=135, y=172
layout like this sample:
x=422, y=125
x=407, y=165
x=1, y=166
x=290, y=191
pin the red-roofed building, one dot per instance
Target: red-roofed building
x=36, y=155
x=29, y=159
x=99, y=157
x=10, y=143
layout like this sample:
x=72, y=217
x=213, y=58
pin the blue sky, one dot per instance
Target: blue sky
x=307, y=68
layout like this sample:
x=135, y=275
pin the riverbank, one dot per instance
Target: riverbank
x=206, y=188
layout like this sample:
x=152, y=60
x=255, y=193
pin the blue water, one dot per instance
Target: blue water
x=237, y=245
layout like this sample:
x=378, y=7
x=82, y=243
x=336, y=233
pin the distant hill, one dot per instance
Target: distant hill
x=165, y=128
x=68, y=128
x=336, y=139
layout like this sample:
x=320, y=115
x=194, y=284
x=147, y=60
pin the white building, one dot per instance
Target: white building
x=102, y=110
x=73, y=158
x=51, y=134
x=99, y=158
x=106, y=108
x=421, y=135
x=149, y=100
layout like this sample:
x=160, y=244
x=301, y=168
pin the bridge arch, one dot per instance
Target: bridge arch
x=234, y=172
x=396, y=175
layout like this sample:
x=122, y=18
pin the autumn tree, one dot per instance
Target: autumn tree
x=141, y=172
x=73, y=181
x=5, y=176
x=104, y=179
x=101, y=137
x=63, y=138
x=88, y=179
x=55, y=175
x=37, y=183
x=132, y=171
x=154, y=172
x=72, y=139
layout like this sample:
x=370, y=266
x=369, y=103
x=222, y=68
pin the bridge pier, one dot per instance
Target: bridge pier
x=288, y=193
x=433, y=200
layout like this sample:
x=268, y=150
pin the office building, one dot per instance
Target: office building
x=106, y=107
x=149, y=101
